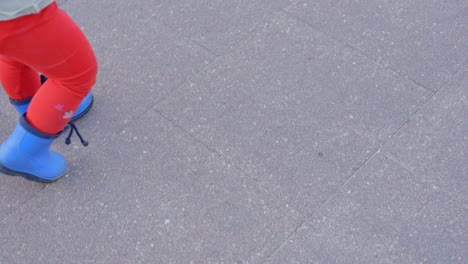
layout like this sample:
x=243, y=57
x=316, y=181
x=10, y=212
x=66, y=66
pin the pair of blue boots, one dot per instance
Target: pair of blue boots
x=27, y=152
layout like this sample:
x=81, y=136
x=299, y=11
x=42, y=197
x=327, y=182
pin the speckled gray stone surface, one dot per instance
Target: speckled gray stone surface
x=216, y=24
x=424, y=39
x=258, y=132
x=275, y=112
x=384, y=214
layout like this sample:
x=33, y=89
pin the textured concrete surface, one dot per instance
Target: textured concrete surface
x=259, y=132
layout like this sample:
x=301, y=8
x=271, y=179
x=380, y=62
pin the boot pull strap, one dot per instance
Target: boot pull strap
x=72, y=127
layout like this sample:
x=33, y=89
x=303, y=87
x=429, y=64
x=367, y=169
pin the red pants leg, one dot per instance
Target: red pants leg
x=20, y=81
x=49, y=42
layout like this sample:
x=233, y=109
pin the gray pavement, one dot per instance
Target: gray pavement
x=259, y=131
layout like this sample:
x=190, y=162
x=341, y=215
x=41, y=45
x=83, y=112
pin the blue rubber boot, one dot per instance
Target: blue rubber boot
x=27, y=153
x=22, y=106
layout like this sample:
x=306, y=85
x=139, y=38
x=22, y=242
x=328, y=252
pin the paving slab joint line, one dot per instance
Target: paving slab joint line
x=421, y=107
x=397, y=162
x=187, y=133
x=277, y=249
x=307, y=218
x=217, y=153
x=15, y=209
x=188, y=79
x=376, y=61
x=153, y=107
x=345, y=183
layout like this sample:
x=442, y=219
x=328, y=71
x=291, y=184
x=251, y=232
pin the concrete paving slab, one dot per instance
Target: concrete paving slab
x=217, y=25
x=386, y=214
x=290, y=89
x=152, y=193
x=422, y=39
x=434, y=143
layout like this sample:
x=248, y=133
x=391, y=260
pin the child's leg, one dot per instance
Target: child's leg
x=19, y=81
x=51, y=43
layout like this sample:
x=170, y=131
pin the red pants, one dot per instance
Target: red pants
x=50, y=43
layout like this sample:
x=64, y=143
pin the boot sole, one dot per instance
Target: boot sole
x=27, y=176
x=79, y=116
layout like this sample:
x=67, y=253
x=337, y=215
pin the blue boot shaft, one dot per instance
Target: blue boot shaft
x=21, y=106
x=27, y=153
